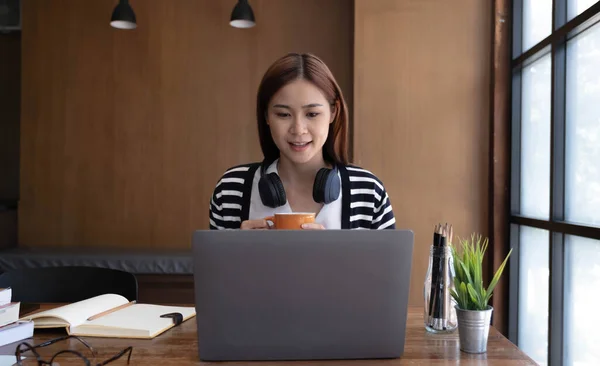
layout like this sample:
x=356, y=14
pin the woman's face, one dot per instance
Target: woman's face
x=299, y=116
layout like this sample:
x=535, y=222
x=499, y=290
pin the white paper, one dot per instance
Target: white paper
x=5, y=295
x=8, y=360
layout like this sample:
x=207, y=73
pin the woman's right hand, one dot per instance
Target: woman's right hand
x=260, y=224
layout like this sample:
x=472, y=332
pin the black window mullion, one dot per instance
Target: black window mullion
x=558, y=133
x=517, y=28
x=515, y=150
x=557, y=192
x=558, y=226
x=559, y=14
x=515, y=172
x=513, y=282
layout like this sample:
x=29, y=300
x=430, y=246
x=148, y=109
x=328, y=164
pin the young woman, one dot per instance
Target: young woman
x=302, y=126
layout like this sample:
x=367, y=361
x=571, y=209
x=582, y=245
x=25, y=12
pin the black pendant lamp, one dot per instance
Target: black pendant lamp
x=123, y=16
x=242, y=15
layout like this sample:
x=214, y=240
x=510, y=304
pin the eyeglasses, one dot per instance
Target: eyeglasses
x=26, y=347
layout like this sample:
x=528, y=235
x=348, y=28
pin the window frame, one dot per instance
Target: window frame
x=555, y=44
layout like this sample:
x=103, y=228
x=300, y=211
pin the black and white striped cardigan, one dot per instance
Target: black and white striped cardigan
x=365, y=203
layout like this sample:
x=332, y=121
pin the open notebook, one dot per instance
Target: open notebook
x=134, y=321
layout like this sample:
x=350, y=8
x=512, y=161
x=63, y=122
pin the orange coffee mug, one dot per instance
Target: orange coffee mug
x=291, y=221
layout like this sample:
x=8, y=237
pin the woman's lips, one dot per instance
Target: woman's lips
x=299, y=146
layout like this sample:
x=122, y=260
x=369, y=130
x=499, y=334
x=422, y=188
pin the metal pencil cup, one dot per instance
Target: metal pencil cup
x=439, y=314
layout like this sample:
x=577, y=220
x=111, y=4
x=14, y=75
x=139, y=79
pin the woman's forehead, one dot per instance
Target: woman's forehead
x=299, y=93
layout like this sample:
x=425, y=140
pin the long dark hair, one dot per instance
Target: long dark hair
x=295, y=66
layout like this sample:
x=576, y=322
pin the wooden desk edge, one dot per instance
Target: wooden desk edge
x=412, y=312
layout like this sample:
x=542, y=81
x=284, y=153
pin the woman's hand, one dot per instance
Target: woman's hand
x=259, y=224
x=313, y=226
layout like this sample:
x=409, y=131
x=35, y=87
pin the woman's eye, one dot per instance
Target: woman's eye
x=282, y=114
x=312, y=114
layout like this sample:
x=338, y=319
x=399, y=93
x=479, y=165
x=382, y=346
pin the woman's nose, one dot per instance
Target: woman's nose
x=298, y=126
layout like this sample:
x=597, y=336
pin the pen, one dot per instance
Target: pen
x=111, y=310
x=434, y=294
x=443, y=311
x=439, y=309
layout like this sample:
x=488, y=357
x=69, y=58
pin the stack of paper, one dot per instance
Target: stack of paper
x=15, y=332
x=9, y=313
x=5, y=295
x=11, y=329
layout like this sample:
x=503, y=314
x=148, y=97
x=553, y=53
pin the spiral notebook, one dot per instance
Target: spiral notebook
x=112, y=316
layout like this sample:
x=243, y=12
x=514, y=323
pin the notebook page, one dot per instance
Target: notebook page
x=77, y=312
x=143, y=317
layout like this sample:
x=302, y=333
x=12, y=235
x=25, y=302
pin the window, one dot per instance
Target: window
x=582, y=281
x=582, y=146
x=537, y=22
x=535, y=139
x=533, y=292
x=555, y=180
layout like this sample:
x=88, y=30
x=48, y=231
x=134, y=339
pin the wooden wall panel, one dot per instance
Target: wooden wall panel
x=125, y=133
x=421, y=86
x=499, y=160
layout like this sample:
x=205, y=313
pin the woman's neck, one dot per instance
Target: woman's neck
x=299, y=175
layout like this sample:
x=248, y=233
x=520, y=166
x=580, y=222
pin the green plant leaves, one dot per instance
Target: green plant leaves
x=460, y=295
x=465, y=272
x=463, y=295
x=473, y=294
x=496, y=278
x=469, y=292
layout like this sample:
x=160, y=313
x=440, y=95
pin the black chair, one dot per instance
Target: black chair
x=67, y=284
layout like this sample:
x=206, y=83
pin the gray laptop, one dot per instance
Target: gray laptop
x=301, y=295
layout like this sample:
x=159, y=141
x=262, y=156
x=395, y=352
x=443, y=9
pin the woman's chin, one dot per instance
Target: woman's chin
x=299, y=157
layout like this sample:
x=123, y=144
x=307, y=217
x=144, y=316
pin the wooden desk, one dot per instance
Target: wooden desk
x=178, y=346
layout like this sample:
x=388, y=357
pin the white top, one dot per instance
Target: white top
x=330, y=215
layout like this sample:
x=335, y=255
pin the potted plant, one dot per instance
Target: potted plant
x=472, y=310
